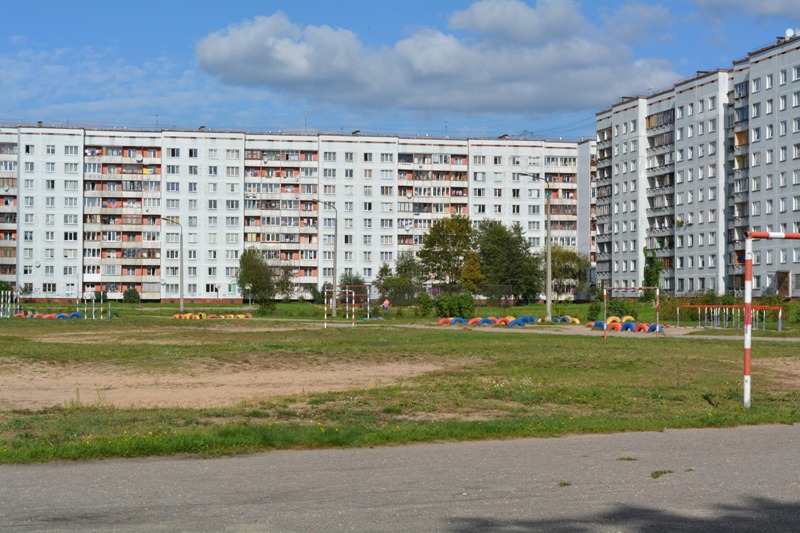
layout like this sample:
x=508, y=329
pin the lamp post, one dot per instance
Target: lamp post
x=335, y=247
x=548, y=246
x=173, y=220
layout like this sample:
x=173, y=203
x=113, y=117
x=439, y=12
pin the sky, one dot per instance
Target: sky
x=446, y=68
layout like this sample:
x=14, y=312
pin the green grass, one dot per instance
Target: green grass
x=488, y=385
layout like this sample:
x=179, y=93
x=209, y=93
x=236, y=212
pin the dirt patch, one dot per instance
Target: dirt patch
x=33, y=386
x=784, y=370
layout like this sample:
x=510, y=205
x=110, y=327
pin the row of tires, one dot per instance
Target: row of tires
x=62, y=316
x=203, y=316
x=508, y=321
x=628, y=325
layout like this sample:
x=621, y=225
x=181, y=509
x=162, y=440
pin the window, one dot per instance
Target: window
x=173, y=152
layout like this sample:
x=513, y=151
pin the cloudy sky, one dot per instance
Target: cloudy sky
x=534, y=68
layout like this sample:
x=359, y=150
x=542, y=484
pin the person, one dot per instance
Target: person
x=386, y=305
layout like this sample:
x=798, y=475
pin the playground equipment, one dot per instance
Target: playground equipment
x=724, y=315
x=348, y=297
x=607, y=320
x=9, y=304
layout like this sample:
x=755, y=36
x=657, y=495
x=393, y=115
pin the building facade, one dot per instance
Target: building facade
x=109, y=210
x=685, y=172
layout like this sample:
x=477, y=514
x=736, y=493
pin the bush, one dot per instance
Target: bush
x=455, y=305
x=595, y=311
x=621, y=307
x=131, y=296
x=424, y=305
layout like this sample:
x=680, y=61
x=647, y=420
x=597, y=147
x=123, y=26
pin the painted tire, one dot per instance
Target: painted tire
x=444, y=321
x=458, y=321
x=517, y=322
x=653, y=328
x=61, y=316
x=590, y=324
x=642, y=327
x=575, y=321
x=616, y=326
x=613, y=319
x=566, y=319
x=486, y=322
x=75, y=315
x=473, y=321
x=600, y=324
x=629, y=326
x=628, y=318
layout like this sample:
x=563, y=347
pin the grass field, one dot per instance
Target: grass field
x=486, y=384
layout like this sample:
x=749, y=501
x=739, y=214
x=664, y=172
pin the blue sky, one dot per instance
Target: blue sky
x=533, y=68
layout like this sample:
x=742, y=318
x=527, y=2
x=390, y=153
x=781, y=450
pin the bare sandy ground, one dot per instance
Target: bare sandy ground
x=33, y=386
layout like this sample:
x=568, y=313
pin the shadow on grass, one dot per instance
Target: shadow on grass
x=758, y=514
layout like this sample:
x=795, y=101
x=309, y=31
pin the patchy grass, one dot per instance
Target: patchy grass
x=491, y=385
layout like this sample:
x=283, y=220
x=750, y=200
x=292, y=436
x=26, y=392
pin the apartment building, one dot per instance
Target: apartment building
x=687, y=171
x=88, y=210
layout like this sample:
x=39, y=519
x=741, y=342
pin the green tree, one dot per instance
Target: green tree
x=445, y=248
x=256, y=278
x=6, y=286
x=569, y=269
x=348, y=280
x=384, y=273
x=506, y=259
x=652, y=274
x=402, y=286
x=471, y=275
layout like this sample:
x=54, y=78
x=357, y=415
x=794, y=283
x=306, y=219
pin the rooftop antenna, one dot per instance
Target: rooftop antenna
x=789, y=33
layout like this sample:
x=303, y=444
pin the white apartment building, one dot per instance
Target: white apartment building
x=688, y=170
x=86, y=210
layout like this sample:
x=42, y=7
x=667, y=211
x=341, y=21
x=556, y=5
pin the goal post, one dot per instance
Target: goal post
x=750, y=236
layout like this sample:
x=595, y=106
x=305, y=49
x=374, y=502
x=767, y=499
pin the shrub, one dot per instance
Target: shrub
x=424, y=305
x=621, y=307
x=455, y=305
x=131, y=296
x=595, y=311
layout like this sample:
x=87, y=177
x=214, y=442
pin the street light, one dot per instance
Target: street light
x=335, y=247
x=549, y=272
x=174, y=220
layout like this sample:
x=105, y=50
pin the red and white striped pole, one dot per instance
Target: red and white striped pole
x=748, y=311
x=605, y=317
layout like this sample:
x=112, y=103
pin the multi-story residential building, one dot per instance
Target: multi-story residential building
x=719, y=158
x=89, y=210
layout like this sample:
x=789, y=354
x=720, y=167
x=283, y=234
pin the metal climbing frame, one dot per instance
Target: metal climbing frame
x=605, y=291
x=748, y=297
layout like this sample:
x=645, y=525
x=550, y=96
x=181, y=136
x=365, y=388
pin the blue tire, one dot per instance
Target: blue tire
x=75, y=314
x=458, y=321
x=486, y=322
x=516, y=322
x=62, y=316
x=653, y=328
x=565, y=319
x=629, y=326
x=600, y=325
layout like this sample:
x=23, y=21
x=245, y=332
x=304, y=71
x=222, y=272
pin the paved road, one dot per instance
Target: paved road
x=743, y=479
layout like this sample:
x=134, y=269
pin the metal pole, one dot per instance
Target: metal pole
x=748, y=309
x=180, y=266
x=549, y=276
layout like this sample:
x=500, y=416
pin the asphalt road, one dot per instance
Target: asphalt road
x=742, y=479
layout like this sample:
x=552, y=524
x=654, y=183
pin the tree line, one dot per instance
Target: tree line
x=489, y=259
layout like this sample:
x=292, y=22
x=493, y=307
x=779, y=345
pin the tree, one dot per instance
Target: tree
x=652, y=274
x=384, y=273
x=506, y=259
x=445, y=248
x=570, y=270
x=471, y=274
x=6, y=286
x=348, y=280
x=402, y=286
x=256, y=278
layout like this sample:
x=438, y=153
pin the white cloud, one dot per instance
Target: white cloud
x=498, y=56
